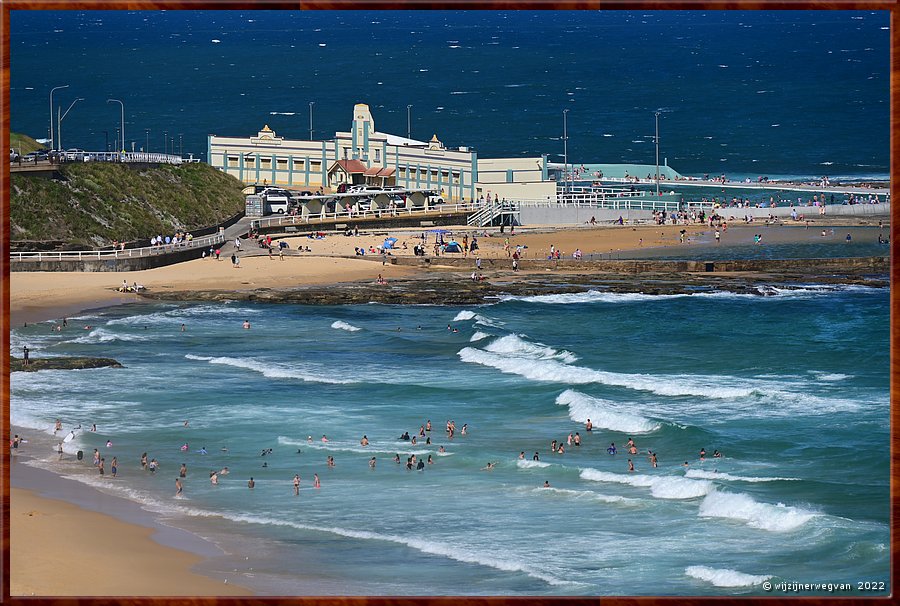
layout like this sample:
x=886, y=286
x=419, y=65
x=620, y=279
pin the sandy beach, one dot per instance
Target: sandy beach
x=41, y=296
x=112, y=558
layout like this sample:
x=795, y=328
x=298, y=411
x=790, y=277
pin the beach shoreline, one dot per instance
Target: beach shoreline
x=52, y=296
x=122, y=550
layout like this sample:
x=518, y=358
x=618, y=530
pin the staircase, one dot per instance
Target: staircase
x=486, y=215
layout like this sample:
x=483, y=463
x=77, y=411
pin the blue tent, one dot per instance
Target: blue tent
x=389, y=243
x=453, y=246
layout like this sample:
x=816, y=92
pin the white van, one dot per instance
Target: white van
x=275, y=201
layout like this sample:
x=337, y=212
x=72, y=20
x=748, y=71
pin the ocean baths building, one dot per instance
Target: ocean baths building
x=365, y=156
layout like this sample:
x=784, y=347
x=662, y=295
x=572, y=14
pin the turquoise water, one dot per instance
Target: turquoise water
x=793, y=389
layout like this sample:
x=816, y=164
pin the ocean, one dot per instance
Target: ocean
x=744, y=93
x=792, y=389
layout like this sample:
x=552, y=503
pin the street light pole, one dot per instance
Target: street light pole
x=51, y=112
x=165, y=142
x=311, y=103
x=61, y=118
x=657, y=154
x=408, y=123
x=123, y=121
x=181, y=144
x=566, y=149
x=147, y=149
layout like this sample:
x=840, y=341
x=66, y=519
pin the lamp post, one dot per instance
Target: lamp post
x=657, y=153
x=165, y=142
x=181, y=144
x=61, y=118
x=408, y=123
x=123, y=121
x=311, y=103
x=147, y=149
x=566, y=149
x=51, y=111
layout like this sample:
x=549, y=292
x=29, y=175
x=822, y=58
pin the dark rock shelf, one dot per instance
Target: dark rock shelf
x=35, y=364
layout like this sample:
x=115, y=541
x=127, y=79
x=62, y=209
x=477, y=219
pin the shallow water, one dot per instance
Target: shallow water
x=791, y=388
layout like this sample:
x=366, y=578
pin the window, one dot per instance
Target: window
x=377, y=155
x=315, y=166
x=265, y=162
x=250, y=161
x=232, y=161
x=299, y=164
x=281, y=164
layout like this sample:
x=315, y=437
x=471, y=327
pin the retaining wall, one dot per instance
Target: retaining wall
x=111, y=265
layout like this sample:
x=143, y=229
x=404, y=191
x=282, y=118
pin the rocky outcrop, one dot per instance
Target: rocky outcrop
x=35, y=364
x=453, y=288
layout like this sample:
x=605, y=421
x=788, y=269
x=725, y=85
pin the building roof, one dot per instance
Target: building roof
x=352, y=167
x=400, y=141
x=379, y=171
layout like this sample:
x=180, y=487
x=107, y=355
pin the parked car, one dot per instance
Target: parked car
x=35, y=156
x=363, y=188
x=74, y=154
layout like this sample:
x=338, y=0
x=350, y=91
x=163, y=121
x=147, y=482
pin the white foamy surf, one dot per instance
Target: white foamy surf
x=661, y=487
x=603, y=413
x=341, y=325
x=742, y=507
x=725, y=577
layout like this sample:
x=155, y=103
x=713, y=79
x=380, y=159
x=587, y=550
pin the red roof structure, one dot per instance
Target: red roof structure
x=351, y=167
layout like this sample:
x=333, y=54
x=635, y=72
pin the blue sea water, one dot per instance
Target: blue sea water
x=801, y=93
x=793, y=390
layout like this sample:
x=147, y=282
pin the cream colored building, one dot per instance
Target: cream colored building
x=364, y=155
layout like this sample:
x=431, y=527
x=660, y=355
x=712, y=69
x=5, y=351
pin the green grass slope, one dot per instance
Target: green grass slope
x=95, y=203
x=23, y=143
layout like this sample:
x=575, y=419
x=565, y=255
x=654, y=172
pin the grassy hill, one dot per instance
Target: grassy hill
x=95, y=203
x=23, y=143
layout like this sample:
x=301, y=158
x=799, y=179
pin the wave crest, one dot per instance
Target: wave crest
x=603, y=414
x=725, y=577
x=742, y=507
x=661, y=487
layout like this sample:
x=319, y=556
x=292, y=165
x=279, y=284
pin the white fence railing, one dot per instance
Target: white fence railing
x=437, y=210
x=111, y=255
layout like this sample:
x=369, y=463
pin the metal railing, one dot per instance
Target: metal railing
x=118, y=157
x=437, y=210
x=113, y=254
